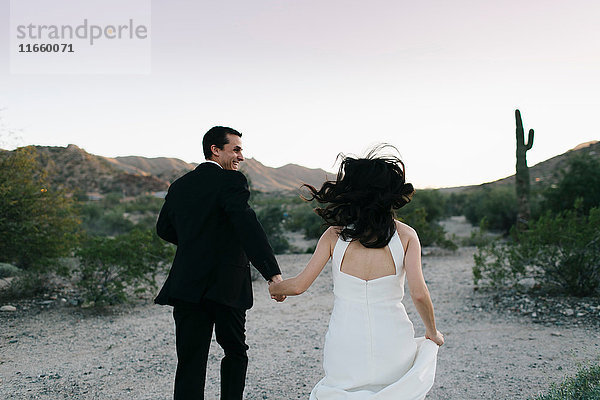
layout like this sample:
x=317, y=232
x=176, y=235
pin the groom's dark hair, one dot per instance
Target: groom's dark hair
x=216, y=135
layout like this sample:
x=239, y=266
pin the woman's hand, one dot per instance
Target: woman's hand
x=300, y=283
x=278, y=298
x=437, y=338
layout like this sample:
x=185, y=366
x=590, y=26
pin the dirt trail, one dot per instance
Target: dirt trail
x=68, y=353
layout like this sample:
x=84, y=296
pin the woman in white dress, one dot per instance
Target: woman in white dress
x=370, y=351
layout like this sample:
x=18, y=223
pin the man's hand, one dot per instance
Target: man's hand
x=276, y=279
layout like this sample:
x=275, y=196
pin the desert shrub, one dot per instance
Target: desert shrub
x=479, y=237
x=144, y=204
x=304, y=219
x=8, y=270
x=112, y=216
x=455, y=204
x=38, y=223
x=497, y=205
x=147, y=221
x=432, y=201
x=27, y=284
x=111, y=200
x=579, y=180
x=430, y=233
x=561, y=252
x=585, y=385
x=271, y=218
x=106, y=219
x=109, y=267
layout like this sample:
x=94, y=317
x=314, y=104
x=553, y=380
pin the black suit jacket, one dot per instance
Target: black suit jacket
x=206, y=214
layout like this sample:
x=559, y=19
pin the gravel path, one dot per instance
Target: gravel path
x=62, y=352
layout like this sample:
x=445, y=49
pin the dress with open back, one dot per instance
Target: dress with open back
x=370, y=351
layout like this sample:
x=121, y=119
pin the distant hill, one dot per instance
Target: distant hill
x=262, y=178
x=74, y=168
x=167, y=169
x=283, y=179
x=543, y=173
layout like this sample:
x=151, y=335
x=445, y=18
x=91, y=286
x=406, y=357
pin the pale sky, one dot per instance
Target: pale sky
x=305, y=80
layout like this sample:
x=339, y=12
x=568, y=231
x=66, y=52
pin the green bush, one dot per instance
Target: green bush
x=579, y=180
x=303, y=218
x=144, y=204
x=8, y=270
x=111, y=216
x=497, y=205
x=38, y=223
x=561, y=252
x=99, y=218
x=271, y=218
x=28, y=284
x=479, y=237
x=455, y=204
x=108, y=267
x=432, y=201
x=585, y=385
x=430, y=233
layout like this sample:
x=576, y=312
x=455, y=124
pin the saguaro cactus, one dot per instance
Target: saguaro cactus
x=522, y=177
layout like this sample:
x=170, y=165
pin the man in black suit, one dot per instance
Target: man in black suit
x=206, y=214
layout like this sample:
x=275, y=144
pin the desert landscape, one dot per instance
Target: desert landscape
x=473, y=122
x=54, y=351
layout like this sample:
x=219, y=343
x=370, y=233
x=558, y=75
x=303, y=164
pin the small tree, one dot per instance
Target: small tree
x=579, y=180
x=108, y=267
x=37, y=221
x=497, y=205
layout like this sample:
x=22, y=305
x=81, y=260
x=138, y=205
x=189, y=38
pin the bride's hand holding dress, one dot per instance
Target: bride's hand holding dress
x=419, y=292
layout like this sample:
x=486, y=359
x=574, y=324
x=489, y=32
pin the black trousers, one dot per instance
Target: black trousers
x=193, y=332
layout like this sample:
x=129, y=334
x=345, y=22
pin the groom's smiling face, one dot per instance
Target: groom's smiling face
x=230, y=156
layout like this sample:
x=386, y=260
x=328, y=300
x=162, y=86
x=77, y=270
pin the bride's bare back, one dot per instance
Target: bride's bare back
x=367, y=264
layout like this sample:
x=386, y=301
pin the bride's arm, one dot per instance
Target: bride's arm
x=418, y=288
x=298, y=284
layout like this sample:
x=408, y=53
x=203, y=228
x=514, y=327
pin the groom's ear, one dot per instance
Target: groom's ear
x=214, y=149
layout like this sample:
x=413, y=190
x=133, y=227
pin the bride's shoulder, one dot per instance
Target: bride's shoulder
x=330, y=237
x=405, y=231
x=332, y=232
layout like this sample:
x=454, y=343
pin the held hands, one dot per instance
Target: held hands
x=437, y=338
x=276, y=279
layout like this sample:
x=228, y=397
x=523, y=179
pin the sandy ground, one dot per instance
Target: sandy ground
x=62, y=352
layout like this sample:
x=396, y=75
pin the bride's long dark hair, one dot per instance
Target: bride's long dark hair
x=363, y=197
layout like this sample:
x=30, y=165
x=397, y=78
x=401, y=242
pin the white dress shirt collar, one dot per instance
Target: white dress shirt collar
x=214, y=162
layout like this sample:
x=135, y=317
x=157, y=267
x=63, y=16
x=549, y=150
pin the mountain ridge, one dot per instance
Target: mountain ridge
x=73, y=168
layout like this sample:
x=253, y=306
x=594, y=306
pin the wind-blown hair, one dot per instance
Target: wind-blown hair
x=363, y=197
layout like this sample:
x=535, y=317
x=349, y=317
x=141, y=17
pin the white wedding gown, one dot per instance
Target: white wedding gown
x=370, y=351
